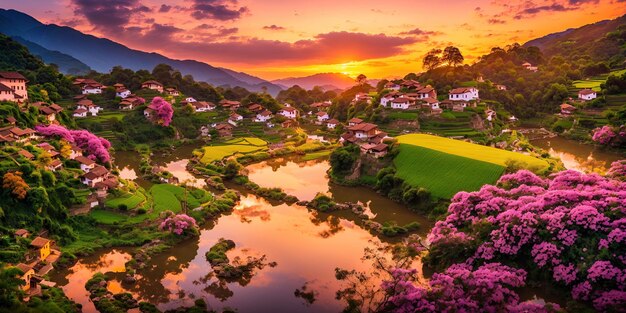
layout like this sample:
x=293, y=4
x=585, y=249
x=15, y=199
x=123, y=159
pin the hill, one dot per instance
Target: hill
x=103, y=54
x=330, y=81
x=602, y=41
x=446, y=166
x=66, y=63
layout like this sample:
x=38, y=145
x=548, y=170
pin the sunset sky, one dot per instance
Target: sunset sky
x=281, y=38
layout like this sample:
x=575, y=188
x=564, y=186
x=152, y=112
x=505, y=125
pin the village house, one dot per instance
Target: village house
x=289, y=124
x=411, y=84
x=530, y=67
x=255, y=108
x=332, y=123
x=131, y=102
x=361, y=96
x=456, y=106
x=172, y=92
x=377, y=150
x=89, y=106
x=322, y=116
x=52, y=152
x=263, y=116
x=80, y=112
x=16, y=134
x=152, y=85
x=587, y=94
x=21, y=233
x=55, y=165
x=202, y=106
x=122, y=92
x=491, y=114
x=426, y=92
x=402, y=103
x=75, y=152
x=89, y=86
x=27, y=155
x=41, y=247
x=98, y=174
x=13, y=87
x=501, y=87
x=229, y=104
x=567, y=109
x=190, y=99
x=319, y=106
x=354, y=121
x=463, y=93
x=363, y=130
x=234, y=119
x=27, y=275
x=86, y=164
x=392, y=86
x=224, y=129
x=50, y=111
x=289, y=112
x=11, y=120
x=386, y=99
x=148, y=112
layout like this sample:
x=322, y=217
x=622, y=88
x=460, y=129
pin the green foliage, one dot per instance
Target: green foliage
x=217, y=253
x=343, y=158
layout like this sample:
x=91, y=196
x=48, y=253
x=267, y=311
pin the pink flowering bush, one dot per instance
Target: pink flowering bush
x=179, y=224
x=163, y=111
x=460, y=288
x=571, y=226
x=97, y=148
x=607, y=135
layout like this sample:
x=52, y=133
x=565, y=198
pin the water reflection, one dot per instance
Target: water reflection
x=578, y=156
x=306, y=247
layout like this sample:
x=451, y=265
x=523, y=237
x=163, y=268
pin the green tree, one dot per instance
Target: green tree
x=452, y=55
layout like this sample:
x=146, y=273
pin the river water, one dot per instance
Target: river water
x=306, y=245
x=578, y=156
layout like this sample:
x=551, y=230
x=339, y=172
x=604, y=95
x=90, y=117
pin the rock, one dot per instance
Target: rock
x=129, y=279
x=303, y=203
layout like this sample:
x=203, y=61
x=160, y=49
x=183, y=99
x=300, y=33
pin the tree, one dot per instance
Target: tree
x=14, y=182
x=431, y=59
x=452, y=55
x=361, y=79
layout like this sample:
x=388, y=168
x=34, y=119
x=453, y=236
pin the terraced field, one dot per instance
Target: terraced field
x=234, y=146
x=594, y=83
x=446, y=166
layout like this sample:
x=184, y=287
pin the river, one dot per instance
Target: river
x=578, y=156
x=306, y=245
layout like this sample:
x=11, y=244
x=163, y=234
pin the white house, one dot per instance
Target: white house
x=95, y=175
x=190, y=99
x=402, y=103
x=289, y=112
x=122, y=92
x=234, y=119
x=13, y=87
x=86, y=164
x=332, y=123
x=92, y=89
x=322, y=116
x=426, y=92
x=491, y=114
x=152, y=84
x=432, y=103
x=384, y=101
x=587, y=94
x=392, y=86
x=463, y=93
x=263, y=116
x=80, y=112
x=202, y=106
x=530, y=67
x=76, y=152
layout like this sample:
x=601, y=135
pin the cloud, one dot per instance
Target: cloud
x=420, y=32
x=273, y=27
x=109, y=16
x=532, y=10
x=327, y=48
x=223, y=10
x=165, y=8
x=496, y=21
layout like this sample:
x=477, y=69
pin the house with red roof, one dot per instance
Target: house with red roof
x=152, y=85
x=587, y=94
x=13, y=87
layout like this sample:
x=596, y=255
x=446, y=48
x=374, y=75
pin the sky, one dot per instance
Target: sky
x=285, y=38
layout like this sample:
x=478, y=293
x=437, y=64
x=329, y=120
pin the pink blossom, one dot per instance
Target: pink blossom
x=95, y=147
x=163, y=109
x=178, y=224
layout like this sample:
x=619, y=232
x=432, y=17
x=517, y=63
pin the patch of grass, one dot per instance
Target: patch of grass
x=231, y=147
x=316, y=155
x=129, y=200
x=445, y=166
x=407, y=116
x=594, y=82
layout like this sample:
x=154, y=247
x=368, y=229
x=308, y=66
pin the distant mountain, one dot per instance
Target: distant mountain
x=600, y=41
x=67, y=64
x=103, y=54
x=329, y=80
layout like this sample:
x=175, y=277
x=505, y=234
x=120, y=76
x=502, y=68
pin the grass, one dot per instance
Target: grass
x=231, y=147
x=409, y=116
x=594, y=82
x=316, y=155
x=446, y=166
x=130, y=200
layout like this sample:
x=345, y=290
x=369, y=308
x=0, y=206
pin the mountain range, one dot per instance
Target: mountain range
x=328, y=81
x=77, y=52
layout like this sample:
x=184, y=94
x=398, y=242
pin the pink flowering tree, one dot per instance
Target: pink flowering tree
x=610, y=136
x=96, y=148
x=180, y=224
x=163, y=111
x=571, y=226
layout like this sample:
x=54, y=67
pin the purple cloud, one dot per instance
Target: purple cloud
x=532, y=10
x=420, y=32
x=165, y=8
x=223, y=10
x=496, y=21
x=273, y=27
x=109, y=16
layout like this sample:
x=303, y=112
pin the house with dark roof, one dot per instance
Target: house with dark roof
x=463, y=93
x=153, y=85
x=13, y=82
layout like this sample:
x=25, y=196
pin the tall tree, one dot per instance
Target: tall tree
x=361, y=79
x=431, y=59
x=452, y=55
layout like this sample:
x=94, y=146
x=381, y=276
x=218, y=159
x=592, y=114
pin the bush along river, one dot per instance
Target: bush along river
x=296, y=249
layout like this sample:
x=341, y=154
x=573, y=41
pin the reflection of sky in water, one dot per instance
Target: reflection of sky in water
x=577, y=156
x=128, y=173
